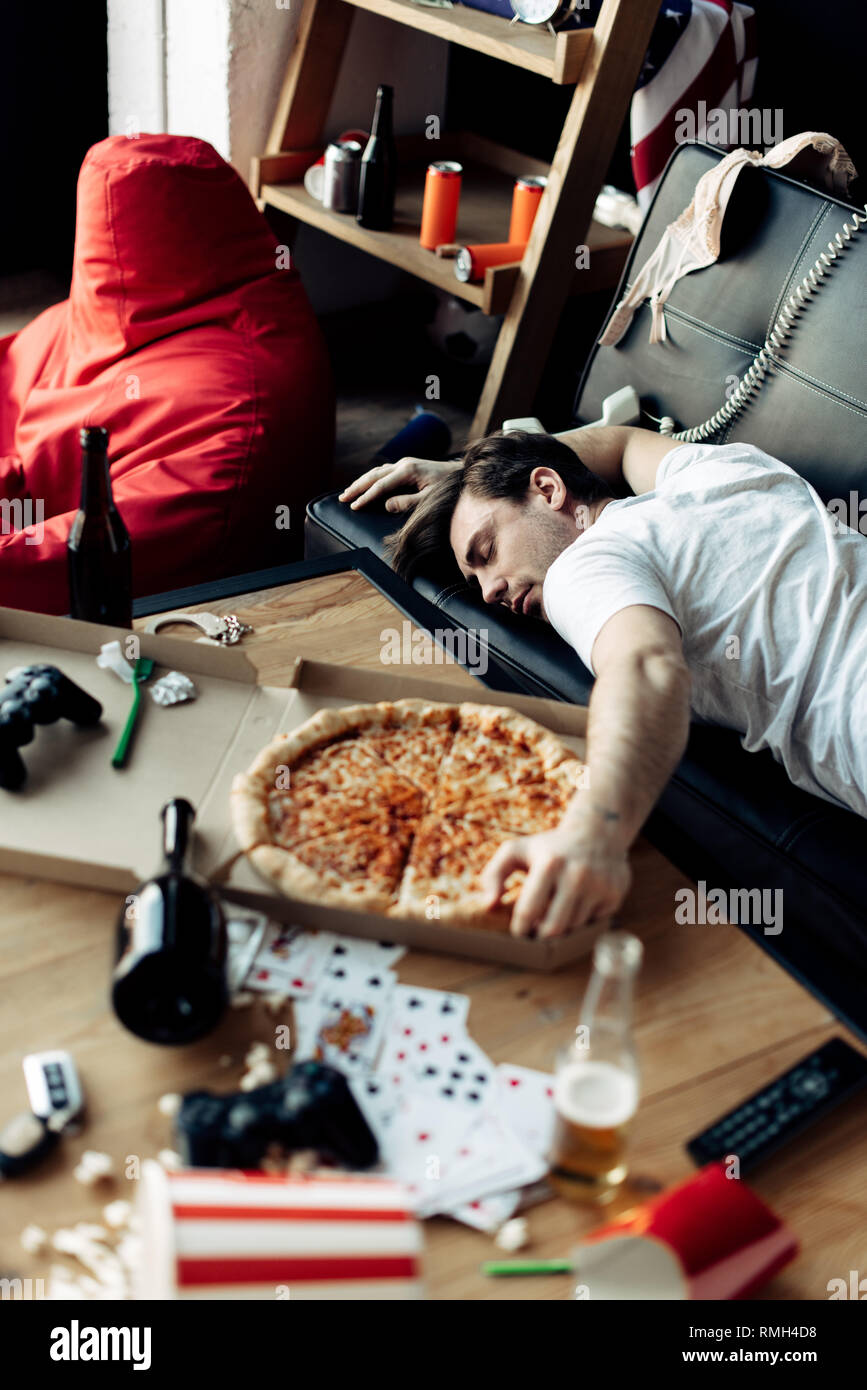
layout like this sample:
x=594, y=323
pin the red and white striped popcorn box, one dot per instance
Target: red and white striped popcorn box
x=211, y=1233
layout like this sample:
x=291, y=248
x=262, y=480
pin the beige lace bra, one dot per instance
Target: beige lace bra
x=692, y=241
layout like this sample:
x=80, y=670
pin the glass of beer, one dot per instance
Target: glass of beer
x=596, y=1085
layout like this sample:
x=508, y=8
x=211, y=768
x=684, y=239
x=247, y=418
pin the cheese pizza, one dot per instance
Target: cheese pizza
x=397, y=807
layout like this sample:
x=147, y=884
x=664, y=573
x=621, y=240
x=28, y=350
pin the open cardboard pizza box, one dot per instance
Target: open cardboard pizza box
x=78, y=820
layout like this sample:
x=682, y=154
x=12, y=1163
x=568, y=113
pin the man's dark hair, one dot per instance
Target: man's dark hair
x=498, y=466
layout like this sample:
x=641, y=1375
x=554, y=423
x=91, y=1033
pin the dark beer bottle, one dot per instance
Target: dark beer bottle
x=169, y=983
x=378, y=168
x=98, y=546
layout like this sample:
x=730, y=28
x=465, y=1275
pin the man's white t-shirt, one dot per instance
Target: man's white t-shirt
x=769, y=592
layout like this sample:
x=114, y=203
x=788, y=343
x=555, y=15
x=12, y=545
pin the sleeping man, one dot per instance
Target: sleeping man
x=721, y=587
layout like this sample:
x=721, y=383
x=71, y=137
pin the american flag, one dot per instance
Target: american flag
x=700, y=51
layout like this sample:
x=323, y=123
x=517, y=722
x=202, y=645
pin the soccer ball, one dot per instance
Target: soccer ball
x=462, y=333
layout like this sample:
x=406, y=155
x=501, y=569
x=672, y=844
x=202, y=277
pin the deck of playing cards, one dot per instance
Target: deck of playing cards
x=465, y=1136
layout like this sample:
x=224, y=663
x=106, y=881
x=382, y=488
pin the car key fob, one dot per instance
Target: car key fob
x=56, y=1101
x=53, y=1088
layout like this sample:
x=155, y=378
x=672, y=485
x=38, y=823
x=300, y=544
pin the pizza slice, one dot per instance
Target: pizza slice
x=298, y=813
x=442, y=879
x=494, y=749
x=321, y=778
x=414, y=739
x=529, y=807
x=358, y=867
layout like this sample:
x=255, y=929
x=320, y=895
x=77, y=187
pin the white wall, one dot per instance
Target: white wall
x=197, y=61
x=136, y=71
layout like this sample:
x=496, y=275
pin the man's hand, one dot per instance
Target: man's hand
x=388, y=478
x=575, y=875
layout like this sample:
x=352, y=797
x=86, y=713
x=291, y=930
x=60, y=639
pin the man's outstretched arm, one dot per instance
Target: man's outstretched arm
x=638, y=723
x=620, y=453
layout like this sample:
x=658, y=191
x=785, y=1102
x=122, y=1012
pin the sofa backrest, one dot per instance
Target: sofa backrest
x=811, y=412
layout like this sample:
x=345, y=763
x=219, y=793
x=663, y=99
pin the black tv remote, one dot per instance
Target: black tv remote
x=770, y=1118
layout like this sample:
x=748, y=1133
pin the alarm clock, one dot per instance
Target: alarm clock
x=538, y=12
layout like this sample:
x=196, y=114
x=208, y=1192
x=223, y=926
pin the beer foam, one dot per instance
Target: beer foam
x=596, y=1094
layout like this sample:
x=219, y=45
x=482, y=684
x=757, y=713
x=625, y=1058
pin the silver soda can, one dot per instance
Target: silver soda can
x=342, y=172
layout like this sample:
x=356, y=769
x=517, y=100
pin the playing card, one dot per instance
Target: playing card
x=421, y=1009
x=422, y=1145
x=491, y=1159
x=353, y=965
x=348, y=1034
x=447, y=1066
x=270, y=968
x=289, y=960
x=357, y=971
x=487, y=1213
x=343, y=1022
x=378, y=1101
x=525, y=1100
x=245, y=932
x=374, y=954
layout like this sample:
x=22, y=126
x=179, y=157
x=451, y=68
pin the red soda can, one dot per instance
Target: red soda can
x=439, y=213
x=471, y=262
x=526, y=196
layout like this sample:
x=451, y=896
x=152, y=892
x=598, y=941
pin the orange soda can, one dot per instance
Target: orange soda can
x=439, y=213
x=526, y=196
x=471, y=262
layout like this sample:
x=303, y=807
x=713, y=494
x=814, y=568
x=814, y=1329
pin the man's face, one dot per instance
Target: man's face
x=510, y=546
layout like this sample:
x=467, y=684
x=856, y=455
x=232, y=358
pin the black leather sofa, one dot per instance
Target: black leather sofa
x=728, y=817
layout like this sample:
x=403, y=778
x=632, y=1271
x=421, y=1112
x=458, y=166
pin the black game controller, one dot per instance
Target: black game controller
x=37, y=695
x=311, y=1107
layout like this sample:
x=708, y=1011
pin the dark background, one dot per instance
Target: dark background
x=53, y=107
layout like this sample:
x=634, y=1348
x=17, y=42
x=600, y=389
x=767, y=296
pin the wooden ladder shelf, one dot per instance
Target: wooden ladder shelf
x=603, y=64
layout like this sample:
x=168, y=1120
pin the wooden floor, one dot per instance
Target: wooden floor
x=715, y=1020
x=24, y=296
x=366, y=422
x=379, y=387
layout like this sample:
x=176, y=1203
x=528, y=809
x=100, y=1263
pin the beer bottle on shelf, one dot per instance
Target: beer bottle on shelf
x=596, y=1083
x=98, y=551
x=378, y=168
x=169, y=983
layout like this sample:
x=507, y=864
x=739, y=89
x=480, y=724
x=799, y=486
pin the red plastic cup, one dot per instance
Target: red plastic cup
x=710, y=1237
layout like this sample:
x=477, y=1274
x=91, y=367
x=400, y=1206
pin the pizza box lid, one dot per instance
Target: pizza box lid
x=78, y=820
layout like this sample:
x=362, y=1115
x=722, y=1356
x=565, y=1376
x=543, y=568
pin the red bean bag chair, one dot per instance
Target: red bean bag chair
x=185, y=338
